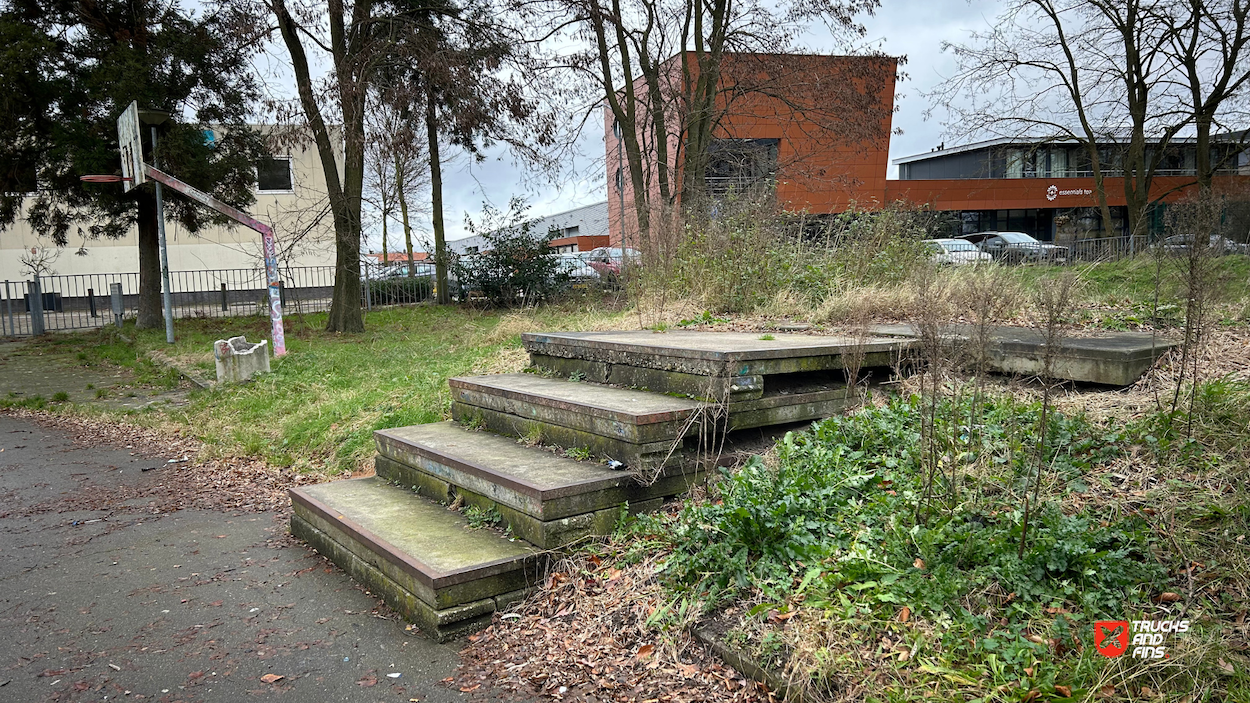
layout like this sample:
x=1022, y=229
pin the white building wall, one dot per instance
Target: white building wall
x=300, y=218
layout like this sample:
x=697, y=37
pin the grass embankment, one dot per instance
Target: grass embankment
x=828, y=562
x=323, y=400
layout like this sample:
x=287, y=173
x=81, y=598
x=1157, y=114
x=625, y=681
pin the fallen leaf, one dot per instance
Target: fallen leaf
x=367, y=681
x=1065, y=691
x=466, y=689
x=1028, y=671
x=919, y=563
x=1225, y=666
x=1107, y=691
x=1146, y=692
x=645, y=651
x=905, y=614
x=1030, y=696
x=272, y=678
x=1167, y=597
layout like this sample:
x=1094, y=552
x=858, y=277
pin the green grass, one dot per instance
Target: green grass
x=319, y=407
x=1131, y=282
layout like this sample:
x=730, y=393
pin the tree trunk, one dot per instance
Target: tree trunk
x=436, y=197
x=403, y=212
x=345, y=313
x=149, y=264
x=386, y=258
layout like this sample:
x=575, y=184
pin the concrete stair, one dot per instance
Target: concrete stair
x=423, y=559
x=545, y=498
x=637, y=410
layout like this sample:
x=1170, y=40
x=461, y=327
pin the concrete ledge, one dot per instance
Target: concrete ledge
x=713, y=353
x=531, y=480
x=1109, y=358
x=708, y=388
x=441, y=624
x=429, y=551
x=635, y=456
x=633, y=416
x=600, y=511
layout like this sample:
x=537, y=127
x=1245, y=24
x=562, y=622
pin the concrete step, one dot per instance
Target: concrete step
x=1107, y=358
x=711, y=366
x=545, y=498
x=634, y=427
x=644, y=430
x=424, y=560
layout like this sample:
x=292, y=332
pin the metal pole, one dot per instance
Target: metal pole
x=35, y=295
x=166, y=294
x=266, y=235
x=225, y=299
x=8, y=300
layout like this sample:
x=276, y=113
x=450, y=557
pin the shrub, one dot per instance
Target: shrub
x=400, y=290
x=514, y=266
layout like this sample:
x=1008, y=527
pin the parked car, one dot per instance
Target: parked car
x=609, y=260
x=1181, y=244
x=954, y=252
x=1017, y=247
x=575, y=264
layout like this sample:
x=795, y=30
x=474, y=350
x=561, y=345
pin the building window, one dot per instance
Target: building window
x=738, y=164
x=470, y=250
x=1015, y=163
x=274, y=175
x=1058, y=163
x=571, y=231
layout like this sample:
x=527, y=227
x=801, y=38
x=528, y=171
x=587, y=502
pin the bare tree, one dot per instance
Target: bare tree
x=1135, y=74
x=395, y=157
x=348, y=34
x=1209, y=41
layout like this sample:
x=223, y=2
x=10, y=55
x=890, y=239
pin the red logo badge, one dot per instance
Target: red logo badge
x=1111, y=637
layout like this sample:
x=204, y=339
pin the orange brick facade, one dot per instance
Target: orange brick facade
x=822, y=169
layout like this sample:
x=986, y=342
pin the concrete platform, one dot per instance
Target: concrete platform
x=642, y=429
x=423, y=559
x=547, y=499
x=705, y=365
x=1109, y=358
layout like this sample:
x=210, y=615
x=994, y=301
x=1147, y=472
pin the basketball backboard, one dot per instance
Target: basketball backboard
x=130, y=141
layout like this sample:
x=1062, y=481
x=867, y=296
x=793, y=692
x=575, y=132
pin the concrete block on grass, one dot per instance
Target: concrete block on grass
x=238, y=360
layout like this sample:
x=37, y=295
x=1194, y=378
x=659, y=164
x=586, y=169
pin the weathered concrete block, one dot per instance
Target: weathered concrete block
x=440, y=624
x=237, y=360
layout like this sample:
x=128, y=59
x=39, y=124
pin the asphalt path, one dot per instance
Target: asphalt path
x=125, y=602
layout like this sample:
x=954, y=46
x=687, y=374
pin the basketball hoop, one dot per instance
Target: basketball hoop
x=104, y=178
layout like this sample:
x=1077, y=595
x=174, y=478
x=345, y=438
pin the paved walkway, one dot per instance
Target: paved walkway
x=193, y=605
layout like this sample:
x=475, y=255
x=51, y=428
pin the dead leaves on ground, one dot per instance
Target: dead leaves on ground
x=232, y=484
x=585, y=638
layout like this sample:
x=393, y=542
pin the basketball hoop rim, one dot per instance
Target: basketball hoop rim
x=104, y=178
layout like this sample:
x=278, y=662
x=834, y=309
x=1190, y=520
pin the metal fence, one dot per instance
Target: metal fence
x=83, y=301
x=1107, y=248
